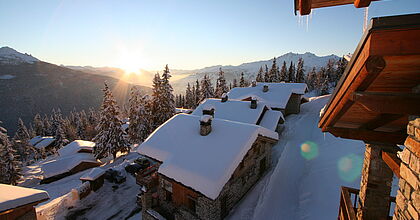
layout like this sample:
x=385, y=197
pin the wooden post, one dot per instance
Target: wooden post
x=375, y=186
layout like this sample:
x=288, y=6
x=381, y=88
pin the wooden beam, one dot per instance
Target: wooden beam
x=368, y=135
x=389, y=102
x=392, y=161
x=380, y=121
x=305, y=7
x=361, y=3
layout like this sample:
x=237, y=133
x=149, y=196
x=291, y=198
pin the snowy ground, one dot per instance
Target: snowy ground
x=308, y=169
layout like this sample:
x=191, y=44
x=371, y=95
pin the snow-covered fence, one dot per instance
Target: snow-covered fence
x=59, y=207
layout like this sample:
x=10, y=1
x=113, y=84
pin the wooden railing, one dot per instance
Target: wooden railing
x=349, y=202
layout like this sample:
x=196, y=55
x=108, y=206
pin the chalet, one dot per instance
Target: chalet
x=18, y=202
x=77, y=146
x=95, y=177
x=42, y=143
x=64, y=166
x=204, y=166
x=252, y=112
x=378, y=101
x=284, y=97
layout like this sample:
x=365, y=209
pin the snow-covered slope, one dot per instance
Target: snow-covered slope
x=308, y=169
x=11, y=56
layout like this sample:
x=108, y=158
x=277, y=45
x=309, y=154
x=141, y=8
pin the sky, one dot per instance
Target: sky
x=185, y=34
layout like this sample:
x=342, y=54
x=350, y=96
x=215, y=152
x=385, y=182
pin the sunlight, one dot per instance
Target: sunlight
x=130, y=59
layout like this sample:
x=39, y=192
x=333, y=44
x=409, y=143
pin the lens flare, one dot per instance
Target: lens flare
x=309, y=150
x=350, y=167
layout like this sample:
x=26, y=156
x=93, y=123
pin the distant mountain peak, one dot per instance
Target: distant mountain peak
x=9, y=55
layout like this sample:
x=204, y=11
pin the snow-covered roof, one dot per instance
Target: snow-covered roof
x=76, y=146
x=35, y=140
x=233, y=110
x=125, y=126
x=93, y=174
x=271, y=119
x=66, y=163
x=204, y=163
x=46, y=141
x=15, y=196
x=277, y=96
x=183, y=110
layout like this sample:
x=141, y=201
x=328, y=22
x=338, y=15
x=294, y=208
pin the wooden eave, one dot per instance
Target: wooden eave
x=304, y=6
x=374, y=97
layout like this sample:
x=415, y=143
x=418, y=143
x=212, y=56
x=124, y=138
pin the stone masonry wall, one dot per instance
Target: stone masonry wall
x=408, y=196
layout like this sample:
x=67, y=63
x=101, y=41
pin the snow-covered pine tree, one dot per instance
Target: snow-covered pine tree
x=292, y=73
x=133, y=115
x=189, y=99
x=20, y=141
x=260, y=77
x=144, y=117
x=324, y=90
x=283, y=72
x=59, y=130
x=167, y=105
x=10, y=171
x=311, y=79
x=38, y=125
x=242, y=82
x=47, y=126
x=235, y=83
x=267, y=75
x=156, y=100
x=221, y=84
x=194, y=97
x=274, y=72
x=330, y=71
x=109, y=139
x=197, y=93
x=300, y=72
x=206, y=88
x=320, y=80
x=341, y=67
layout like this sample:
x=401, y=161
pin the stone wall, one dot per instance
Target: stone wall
x=408, y=196
x=293, y=105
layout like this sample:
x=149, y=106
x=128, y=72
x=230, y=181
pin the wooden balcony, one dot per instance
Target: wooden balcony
x=349, y=202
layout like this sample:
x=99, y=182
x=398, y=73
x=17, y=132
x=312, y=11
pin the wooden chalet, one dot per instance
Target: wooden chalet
x=378, y=101
x=305, y=6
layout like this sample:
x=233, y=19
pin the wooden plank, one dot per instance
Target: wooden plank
x=305, y=7
x=380, y=120
x=361, y=3
x=392, y=161
x=389, y=102
x=368, y=135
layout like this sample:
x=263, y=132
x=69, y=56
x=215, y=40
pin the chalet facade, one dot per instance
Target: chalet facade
x=203, y=167
x=19, y=202
x=284, y=97
x=378, y=101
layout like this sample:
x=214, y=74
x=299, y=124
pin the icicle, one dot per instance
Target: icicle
x=307, y=23
x=365, y=23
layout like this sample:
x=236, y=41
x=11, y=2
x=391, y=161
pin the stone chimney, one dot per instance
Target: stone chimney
x=208, y=110
x=265, y=88
x=253, y=102
x=224, y=97
x=253, y=83
x=205, y=125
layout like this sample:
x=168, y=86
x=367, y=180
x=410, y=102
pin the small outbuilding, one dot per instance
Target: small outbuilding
x=18, y=202
x=95, y=177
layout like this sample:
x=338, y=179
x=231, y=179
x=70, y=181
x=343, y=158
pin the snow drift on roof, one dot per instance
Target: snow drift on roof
x=67, y=163
x=271, y=119
x=35, y=140
x=204, y=163
x=277, y=96
x=93, y=174
x=75, y=147
x=15, y=196
x=232, y=110
x=46, y=141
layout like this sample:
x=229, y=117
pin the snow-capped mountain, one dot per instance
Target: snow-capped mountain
x=11, y=56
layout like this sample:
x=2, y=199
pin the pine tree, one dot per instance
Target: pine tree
x=311, y=79
x=38, y=125
x=283, y=73
x=109, y=139
x=300, y=72
x=189, y=97
x=330, y=71
x=260, y=77
x=274, y=74
x=221, y=85
x=47, y=126
x=242, y=82
x=134, y=105
x=235, y=83
x=321, y=77
x=266, y=75
x=194, y=97
x=197, y=93
x=291, y=73
x=206, y=88
x=20, y=141
x=167, y=105
x=59, y=130
x=341, y=67
x=10, y=171
x=324, y=90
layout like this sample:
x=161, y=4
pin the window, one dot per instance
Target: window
x=191, y=203
x=168, y=196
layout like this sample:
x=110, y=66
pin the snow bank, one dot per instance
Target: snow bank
x=15, y=196
x=76, y=146
x=65, y=164
x=309, y=169
x=277, y=96
x=204, y=163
